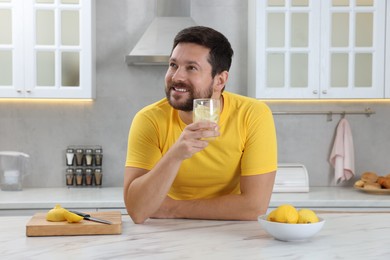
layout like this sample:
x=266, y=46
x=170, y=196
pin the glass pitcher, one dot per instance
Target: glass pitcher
x=13, y=167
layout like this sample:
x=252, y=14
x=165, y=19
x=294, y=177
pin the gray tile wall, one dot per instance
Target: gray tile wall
x=44, y=130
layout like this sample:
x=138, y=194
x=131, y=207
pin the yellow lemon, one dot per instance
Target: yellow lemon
x=271, y=216
x=307, y=216
x=71, y=217
x=56, y=214
x=286, y=214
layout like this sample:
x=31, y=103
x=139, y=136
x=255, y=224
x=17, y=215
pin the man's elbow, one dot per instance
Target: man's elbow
x=137, y=218
x=136, y=214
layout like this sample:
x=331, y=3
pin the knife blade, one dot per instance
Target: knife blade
x=90, y=218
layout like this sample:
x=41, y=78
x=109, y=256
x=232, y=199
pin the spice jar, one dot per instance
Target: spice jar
x=98, y=157
x=88, y=157
x=88, y=177
x=69, y=157
x=69, y=176
x=98, y=177
x=79, y=177
x=79, y=157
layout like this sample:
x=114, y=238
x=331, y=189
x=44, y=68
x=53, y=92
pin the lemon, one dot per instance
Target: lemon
x=271, y=216
x=71, y=217
x=307, y=216
x=286, y=214
x=56, y=214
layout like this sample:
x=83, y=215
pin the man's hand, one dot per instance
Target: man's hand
x=192, y=140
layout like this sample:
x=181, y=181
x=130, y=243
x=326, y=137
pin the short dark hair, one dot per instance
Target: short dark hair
x=221, y=52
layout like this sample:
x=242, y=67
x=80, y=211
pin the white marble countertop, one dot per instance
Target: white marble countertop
x=344, y=236
x=112, y=198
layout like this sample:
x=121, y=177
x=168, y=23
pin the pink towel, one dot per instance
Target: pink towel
x=342, y=157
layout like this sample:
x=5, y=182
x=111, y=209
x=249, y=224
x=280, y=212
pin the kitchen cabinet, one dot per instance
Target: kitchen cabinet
x=47, y=49
x=317, y=49
x=387, y=73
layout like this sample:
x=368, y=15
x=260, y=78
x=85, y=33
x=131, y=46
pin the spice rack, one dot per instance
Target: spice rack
x=84, y=166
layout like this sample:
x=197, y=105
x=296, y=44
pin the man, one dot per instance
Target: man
x=172, y=171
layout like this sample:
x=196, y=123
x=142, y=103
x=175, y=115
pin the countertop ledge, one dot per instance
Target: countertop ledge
x=112, y=198
x=344, y=236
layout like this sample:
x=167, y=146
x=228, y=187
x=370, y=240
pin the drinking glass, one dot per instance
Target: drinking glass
x=206, y=109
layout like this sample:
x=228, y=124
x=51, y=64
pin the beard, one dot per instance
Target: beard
x=187, y=104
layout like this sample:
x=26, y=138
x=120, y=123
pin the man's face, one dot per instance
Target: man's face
x=188, y=76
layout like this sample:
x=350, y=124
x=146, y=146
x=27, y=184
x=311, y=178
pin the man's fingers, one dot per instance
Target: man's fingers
x=202, y=125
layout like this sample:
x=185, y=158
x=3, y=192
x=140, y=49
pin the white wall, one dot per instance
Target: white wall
x=44, y=130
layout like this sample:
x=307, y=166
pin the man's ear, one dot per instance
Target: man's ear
x=221, y=80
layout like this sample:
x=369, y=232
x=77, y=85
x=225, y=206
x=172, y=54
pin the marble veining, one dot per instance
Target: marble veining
x=344, y=236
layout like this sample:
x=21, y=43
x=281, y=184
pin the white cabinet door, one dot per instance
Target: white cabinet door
x=52, y=50
x=387, y=67
x=353, y=49
x=11, y=49
x=283, y=52
x=316, y=49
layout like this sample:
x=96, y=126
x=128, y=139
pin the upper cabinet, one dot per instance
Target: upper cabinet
x=317, y=49
x=47, y=49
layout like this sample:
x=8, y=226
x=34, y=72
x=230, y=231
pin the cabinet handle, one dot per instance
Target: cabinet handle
x=28, y=90
x=19, y=90
x=315, y=92
x=324, y=92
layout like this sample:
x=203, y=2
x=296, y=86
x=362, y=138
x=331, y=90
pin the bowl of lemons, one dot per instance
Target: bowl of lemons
x=286, y=223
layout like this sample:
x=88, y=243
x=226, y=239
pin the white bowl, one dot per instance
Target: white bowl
x=290, y=232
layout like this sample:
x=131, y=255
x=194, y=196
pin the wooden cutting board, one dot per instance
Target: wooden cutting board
x=38, y=226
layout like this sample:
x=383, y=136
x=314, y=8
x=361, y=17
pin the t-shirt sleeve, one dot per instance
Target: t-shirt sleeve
x=260, y=152
x=143, y=146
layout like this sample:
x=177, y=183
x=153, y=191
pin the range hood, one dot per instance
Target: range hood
x=155, y=45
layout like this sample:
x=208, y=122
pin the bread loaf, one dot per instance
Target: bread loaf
x=384, y=182
x=373, y=185
x=370, y=177
x=359, y=184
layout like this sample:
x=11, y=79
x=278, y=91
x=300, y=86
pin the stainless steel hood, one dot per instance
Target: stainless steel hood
x=155, y=45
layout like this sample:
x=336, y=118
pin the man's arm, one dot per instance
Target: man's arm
x=144, y=190
x=253, y=201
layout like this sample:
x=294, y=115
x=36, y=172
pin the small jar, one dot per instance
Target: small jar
x=88, y=177
x=69, y=157
x=69, y=176
x=79, y=157
x=98, y=177
x=98, y=157
x=88, y=157
x=79, y=177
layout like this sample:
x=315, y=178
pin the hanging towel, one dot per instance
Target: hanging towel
x=342, y=156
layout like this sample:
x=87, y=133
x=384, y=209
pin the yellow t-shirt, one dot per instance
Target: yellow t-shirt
x=247, y=146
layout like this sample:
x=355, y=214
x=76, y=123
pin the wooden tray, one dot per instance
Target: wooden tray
x=373, y=191
x=38, y=226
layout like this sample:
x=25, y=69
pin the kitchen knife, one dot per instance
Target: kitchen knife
x=88, y=217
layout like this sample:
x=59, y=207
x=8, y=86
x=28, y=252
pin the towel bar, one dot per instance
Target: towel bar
x=366, y=112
